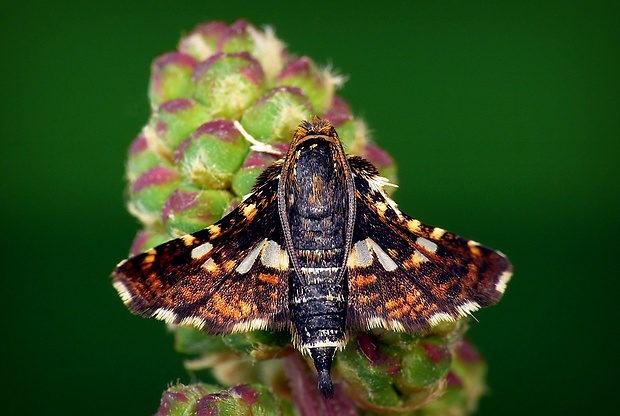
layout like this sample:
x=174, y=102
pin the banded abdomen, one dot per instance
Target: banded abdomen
x=316, y=201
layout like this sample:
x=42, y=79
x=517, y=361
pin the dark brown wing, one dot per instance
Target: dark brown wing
x=229, y=277
x=404, y=275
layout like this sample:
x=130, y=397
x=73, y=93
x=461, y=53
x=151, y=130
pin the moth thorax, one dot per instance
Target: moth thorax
x=316, y=201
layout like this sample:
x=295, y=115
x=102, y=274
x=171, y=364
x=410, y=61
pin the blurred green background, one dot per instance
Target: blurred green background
x=504, y=118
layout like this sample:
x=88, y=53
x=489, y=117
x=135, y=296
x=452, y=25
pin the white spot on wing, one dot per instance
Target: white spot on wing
x=385, y=260
x=418, y=257
x=209, y=265
x=248, y=261
x=427, y=244
x=201, y=250
x=396, y=326
x=377, y=182
x=274, y=256
x=361, y=255
x=502, y=282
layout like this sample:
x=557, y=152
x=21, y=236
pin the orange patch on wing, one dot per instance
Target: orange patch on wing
x=361, y=280
x=190, y=295
x=154, y=282
x=149, y=258
x=211, y=266
x=229, y=265
x=249, y=211
x=415, y=260
x=269, y=278
x=189, y=240
x=214, y=231
x=231, y=307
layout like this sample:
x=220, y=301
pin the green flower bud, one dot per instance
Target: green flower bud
x=212, y=154
x=149, y=192
x=318, y=85
x=227, y=84
x=148, y=238
x=395, y=372
x=172, y=123
x=142, y=158
x=237, y=38
x=171, y=77
x=181, y=400
x=204, y=40
x=277, y=114
x=254, y=164
x=250, y=400
x=189, y=209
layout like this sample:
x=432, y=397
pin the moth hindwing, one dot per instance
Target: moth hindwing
x=317, y=248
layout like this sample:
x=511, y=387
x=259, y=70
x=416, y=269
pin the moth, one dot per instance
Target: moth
x=317, y=248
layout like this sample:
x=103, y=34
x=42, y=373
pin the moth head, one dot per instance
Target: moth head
x=316, y=129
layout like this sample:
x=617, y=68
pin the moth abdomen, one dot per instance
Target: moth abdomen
x=318, y=311
x=318, y=314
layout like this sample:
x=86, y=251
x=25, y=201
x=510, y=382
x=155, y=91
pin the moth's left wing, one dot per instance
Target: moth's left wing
x=229, y=277
x=404, y=275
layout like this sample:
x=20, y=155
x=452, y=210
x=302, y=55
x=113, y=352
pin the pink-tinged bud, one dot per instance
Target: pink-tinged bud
x=227, y=84
x=190, y=209
x=378, y=365
x=180, y=399
x=212, y=154
x=204, y=40
x=384, y=164
x=318, y=85
x=149, y=192
x=253, y=166
x=172, y=123
x=277, y=114
x=148, y=238
x=171, y=77
x=338, y=112
x=237, y=38
x=142, y=158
